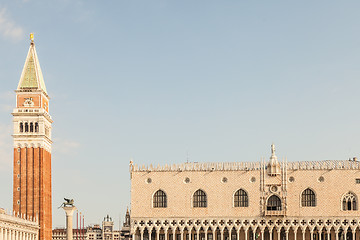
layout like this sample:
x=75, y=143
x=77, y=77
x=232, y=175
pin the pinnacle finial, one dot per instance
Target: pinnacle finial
x=273, y=149
x=32, y=37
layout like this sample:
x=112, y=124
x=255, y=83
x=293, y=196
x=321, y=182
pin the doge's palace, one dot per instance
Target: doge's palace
x=267, y=200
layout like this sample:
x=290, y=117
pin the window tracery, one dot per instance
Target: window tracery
x=349, y=202
x=308, y=198
x=199, y=199
x=274, y=203
x=241, y=199
x=160, y=199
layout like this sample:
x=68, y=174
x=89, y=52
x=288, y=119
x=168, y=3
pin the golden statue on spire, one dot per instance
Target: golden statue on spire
x=32, y=37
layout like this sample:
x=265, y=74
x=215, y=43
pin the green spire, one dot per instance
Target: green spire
x=31, y=77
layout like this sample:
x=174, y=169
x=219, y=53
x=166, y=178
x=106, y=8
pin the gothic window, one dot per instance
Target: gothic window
x=26, y=127
x=199, y=199
x=308, y=198
x=274, y=203
x=241, y=199
x=160, y=200
x=36, y=127
x=349, y=202
x=21, y=127
x=31, y=127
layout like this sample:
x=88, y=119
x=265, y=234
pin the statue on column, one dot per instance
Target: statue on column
x=69, y=209
x=67, y=203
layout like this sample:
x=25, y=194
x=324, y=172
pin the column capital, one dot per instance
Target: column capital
x=69, y=210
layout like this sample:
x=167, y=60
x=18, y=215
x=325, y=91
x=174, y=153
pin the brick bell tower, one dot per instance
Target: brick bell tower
x=32, y=146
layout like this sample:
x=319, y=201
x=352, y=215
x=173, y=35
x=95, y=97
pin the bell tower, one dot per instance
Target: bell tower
x=32, y=146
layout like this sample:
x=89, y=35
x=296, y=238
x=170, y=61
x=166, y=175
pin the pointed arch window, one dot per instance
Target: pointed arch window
x=274, y=203
x=160, y=199
x=349, y=202
x=199, y=199
x=308, y=198
x=241, y=198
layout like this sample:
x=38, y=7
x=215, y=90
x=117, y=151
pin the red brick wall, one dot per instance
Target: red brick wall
x=35, y=187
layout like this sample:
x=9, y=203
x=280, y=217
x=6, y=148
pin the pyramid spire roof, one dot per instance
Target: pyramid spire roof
x=31, y=76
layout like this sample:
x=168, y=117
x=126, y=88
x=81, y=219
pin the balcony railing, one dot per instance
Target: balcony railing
x=274, y=212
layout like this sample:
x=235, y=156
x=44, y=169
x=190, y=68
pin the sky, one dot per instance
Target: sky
x=164, y=81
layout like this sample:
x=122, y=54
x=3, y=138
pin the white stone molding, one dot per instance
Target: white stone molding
x=249, y=166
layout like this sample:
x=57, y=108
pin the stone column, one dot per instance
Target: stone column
x=238, y=234
x=295, y=233
x=189, y=233
x=337, y=234
x=287, y=234
x=222, y=234
x=262, y=234
x=278, y=232
x=246, y=234
x=174, y=234
x=5, y=234
x=142, y=234
x=158, y=234
x=205, y=232
x=214, y=234
x=149, y=232
x=1, y=234
x=270, y=233
x=69, y=211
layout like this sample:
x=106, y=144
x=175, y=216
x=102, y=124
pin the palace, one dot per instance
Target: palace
x=267, y=200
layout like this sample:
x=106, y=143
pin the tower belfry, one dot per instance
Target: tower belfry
x=32, y=146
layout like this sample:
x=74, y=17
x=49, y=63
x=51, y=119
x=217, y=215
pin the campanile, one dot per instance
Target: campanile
x=32, y=146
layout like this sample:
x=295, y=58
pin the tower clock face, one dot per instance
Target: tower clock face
x=28, y=102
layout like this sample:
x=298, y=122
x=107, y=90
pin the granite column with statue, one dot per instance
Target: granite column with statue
x=69, y=221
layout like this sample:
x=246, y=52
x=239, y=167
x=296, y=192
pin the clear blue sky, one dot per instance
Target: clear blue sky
x=158, y=81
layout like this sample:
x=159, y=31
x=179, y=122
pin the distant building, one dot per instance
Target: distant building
x=95, y=232
x=78, y=234
x=14, y=227
x=125, y=230
x=108, y=228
